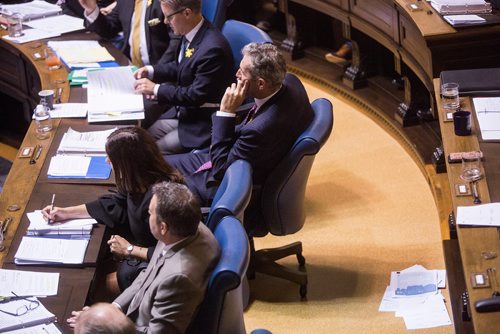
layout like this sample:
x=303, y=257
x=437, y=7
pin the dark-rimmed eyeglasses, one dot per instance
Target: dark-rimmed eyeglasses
x=23, y=309
x=169, y=16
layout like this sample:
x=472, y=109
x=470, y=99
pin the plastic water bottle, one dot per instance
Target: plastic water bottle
x=43, y=122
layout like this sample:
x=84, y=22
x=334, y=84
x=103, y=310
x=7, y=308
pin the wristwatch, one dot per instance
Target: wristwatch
x=130, y=248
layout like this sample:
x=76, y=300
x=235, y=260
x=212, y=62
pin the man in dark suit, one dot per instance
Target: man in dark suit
x=156, y=42
x=165, y=296
x=266, y=133
x=193, y=83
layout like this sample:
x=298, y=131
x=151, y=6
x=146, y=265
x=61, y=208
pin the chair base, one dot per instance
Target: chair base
x=264, y=261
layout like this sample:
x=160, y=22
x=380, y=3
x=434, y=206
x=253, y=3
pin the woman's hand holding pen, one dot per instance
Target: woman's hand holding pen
x=55, y=214
x=118, y=246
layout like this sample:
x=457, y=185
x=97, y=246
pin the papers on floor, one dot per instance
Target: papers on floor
x=36, y=250
x=111, y=96
x=463, y=19
x=32, y=10
x=479, y=215
x=28, y=283
x=69, y=110
x=79, y=167
x=447, y=7
x=78, y=54
x=488, y=115
x=37, y=315
x=40, y=227
x=413, y=294
x=84, y=143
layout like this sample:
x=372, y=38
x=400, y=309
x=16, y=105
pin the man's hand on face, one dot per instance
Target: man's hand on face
x=234, y=96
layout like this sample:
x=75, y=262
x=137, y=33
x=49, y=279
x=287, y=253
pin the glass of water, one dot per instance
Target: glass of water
x=449, y=96
x=471, y=166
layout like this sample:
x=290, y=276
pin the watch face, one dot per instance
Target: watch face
x=130, y=248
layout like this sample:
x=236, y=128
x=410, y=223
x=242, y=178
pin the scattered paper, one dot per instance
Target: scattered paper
x=28, y=283
x=69, y=110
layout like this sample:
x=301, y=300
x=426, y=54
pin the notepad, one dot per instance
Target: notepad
x=79, y=167
x=40, y=227
x=84, y=143
x=37, y=316
x=33, y=250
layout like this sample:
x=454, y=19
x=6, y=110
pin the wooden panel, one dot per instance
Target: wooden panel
x=334, y=8
x=381, y=14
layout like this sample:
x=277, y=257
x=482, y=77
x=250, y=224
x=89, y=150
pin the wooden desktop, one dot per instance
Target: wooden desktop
x=472, y=241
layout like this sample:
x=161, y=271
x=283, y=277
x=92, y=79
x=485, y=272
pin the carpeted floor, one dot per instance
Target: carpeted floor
x=369, y=212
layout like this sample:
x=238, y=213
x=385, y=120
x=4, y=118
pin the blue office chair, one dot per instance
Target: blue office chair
x=239, y=34
x=233, y=194
x=215, y=11
x=277, y=206
x=222, y=308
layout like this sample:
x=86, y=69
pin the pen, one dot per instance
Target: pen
x=59, y=94
x=38, y=152
x=32, y=159
x=51, y=207
x=5, y=224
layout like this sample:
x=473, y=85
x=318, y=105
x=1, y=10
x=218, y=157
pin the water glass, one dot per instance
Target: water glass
x=471, y=166
x=449, y=96
x=15, y=25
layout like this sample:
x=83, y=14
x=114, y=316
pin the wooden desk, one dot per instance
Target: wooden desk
x=28, y=187
x=473, y=241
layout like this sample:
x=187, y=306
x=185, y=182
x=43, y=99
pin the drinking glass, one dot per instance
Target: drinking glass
x=471, y=166
x=449, y=96
x=52, y=59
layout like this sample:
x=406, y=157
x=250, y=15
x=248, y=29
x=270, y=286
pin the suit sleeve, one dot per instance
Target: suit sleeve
x=174, y=304
x=107, y=26
x=125, y=298
x=208, y=68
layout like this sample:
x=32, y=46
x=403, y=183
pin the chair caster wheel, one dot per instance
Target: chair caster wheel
x=303, y=292
x=301, y=260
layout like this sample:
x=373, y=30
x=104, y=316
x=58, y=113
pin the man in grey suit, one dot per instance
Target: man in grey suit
x=165, y=296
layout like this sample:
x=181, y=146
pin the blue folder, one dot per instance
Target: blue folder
x=98, y=169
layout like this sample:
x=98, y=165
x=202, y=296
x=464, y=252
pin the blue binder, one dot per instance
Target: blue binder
x=98, y=169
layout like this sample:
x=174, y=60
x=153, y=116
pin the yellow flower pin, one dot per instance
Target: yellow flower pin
x=189, y=52
x=150, y=2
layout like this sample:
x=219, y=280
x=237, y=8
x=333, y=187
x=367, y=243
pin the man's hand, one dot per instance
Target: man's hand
x=146, y=87
x=234, y=96
x=88, y=5
x=118, y=246
x=141, y=73
x=74, y=317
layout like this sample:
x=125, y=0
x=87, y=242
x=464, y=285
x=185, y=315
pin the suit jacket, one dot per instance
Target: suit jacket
x=161, y=42
x=200, y=78
x=263, y=142
x=169, y=290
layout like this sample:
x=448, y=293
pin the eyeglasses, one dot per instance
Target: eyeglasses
x=169, y=16
x=23, y=309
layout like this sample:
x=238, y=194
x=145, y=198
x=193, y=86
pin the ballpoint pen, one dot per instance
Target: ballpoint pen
x=32, y=159
x=49, y=221
x=38, y=152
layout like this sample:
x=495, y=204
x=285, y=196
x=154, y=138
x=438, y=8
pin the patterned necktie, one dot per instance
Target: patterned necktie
x=136, y=35
x=251, y=114
x=205, y=166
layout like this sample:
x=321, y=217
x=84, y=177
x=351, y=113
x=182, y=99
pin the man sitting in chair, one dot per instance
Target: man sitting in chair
x=165, y=296
x=281, y=113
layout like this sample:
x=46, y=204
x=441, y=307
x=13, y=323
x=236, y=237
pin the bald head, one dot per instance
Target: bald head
x=103, y=318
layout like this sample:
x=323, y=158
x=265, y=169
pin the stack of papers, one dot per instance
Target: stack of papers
x=83, y=54
x=79, y=167
x=488, y=116
x=84, y=143
x=455, y=20
x=69, y=110
x=32, y=10
x=71, y=227
x=450, y=7
x=479, y=215
x=36, y=316
x=28, y=283
x=33, y=250
x=111, y=96
x=413, y=294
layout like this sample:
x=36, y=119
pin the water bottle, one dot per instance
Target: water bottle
x=43, y=122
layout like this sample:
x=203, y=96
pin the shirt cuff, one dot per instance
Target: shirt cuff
x=155, y=90
x=117, y=305
x=225, y=114
x=92, y=16
x=151, y=71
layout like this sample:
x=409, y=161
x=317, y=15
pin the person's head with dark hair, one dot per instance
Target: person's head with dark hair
x=181, y=15
x=103, y=318
x=174, y=210
x=137, y=161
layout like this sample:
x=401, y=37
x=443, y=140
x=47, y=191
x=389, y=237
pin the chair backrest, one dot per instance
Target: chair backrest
x=215, y=11
x=239, y=34
x=283, y=192
x=233, y=194
x=222, y=308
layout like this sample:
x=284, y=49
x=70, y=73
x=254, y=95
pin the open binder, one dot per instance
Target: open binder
x=455, y=7
x=96, y=167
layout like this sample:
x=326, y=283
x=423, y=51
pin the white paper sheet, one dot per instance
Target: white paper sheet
x=479, y=215
x=69, y=165
x=28, y=283
x=51, y=250
x=69, y=110
x=59, y=24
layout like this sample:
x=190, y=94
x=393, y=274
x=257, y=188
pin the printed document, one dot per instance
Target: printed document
x=488, y=115
x=84, y=143
x=39, y=226
x=60, y=24
x=36, y=250
x=479, y=215
x=36, y=316
x=69, y=110
x=28, y=283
